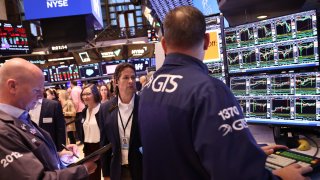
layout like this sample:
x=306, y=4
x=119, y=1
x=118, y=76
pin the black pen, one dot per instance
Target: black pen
x=65, y=147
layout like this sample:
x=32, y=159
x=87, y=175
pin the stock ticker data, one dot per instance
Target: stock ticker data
x=273, y=67
x=289, y=98
x=280, y=43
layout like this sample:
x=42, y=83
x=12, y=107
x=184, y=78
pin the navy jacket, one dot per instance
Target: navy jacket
x=111, y=161
x=52, y=120
x=192, y=127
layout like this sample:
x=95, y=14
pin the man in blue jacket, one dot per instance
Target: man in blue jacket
x=192, y=127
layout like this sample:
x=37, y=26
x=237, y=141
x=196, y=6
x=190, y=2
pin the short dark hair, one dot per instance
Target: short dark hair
x=73, y=82
x=184, y=26
x=95, y=92
x=118, y=71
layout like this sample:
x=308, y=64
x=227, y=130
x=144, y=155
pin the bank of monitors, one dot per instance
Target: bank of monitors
x=286, y=42
x=286, y=99
x=63, y=73
x=89, y=70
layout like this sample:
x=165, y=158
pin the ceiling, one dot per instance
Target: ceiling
x=245, y=11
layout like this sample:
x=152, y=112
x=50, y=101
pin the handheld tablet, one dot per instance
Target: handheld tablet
x=92, y=155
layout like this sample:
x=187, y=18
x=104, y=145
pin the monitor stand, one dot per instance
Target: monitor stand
x=286, y=136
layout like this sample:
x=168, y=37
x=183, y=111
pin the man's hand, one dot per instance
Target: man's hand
x=271, y=148
x=91, y=166
x=67, y=156
x=293, y=172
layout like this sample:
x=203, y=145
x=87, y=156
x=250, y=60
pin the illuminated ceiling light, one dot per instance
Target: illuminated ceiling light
x=262, y=17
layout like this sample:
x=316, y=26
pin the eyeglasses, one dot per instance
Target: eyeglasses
x=86, y=94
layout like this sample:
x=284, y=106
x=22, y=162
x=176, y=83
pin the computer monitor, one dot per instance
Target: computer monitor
x=282, y=43
x=108, y=68
x=63, y=73
x=141, y=64
x=89, y=71
x=13, y=39
x=214, y=55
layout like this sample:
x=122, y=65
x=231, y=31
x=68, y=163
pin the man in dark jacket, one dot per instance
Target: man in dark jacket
x=48, y=115
x=191, y=125
x=27, y=151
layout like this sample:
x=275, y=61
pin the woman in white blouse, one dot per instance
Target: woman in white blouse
x=91, y=97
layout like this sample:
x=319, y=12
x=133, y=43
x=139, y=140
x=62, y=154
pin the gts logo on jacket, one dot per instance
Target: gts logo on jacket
x=164, y=83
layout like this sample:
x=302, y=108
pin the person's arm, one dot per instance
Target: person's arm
x=222, y=139
x=18, y=161
x=224, y=143
x=105, y=159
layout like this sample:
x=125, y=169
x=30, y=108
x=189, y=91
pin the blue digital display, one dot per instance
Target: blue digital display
x=58, y=8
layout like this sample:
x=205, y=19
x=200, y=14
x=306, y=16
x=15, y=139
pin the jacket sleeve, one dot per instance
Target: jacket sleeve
x=60, y=124
x=105, y=159
x=18, y=161
x=221, y=137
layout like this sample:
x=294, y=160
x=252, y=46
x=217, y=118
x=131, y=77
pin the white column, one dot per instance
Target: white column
x=3, y=11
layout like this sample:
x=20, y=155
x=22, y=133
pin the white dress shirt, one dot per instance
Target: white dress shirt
x=125, y=110
x=90, y=126
x=35, y=112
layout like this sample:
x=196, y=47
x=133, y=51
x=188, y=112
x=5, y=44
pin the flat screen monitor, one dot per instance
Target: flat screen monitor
x=89, y=71
x=288, y=99
x=282, y=43
x=13, y=39
x=140, y=65
x=63, y=73
x=108, y=68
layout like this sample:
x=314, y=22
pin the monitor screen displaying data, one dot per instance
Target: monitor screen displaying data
x=286, y=42
x=287, y=99
x=63, y=73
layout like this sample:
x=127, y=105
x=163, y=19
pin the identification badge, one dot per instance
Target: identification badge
x=47, y=120
x=124, y=143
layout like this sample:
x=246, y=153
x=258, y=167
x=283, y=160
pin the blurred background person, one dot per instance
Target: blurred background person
x=119, y=125
x=91, y=97
x=48, y=115
x=78, y=105
x=69, y=113
x=51, y=94
x=105, y=93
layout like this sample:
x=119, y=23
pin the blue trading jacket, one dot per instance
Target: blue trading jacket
x=192, y=127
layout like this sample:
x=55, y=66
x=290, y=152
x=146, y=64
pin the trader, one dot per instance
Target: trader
x=27, y=151
x=191, y=125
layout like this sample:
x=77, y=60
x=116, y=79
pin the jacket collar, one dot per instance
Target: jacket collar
x=178, y=59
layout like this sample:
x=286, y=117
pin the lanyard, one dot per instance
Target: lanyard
x=125, y=127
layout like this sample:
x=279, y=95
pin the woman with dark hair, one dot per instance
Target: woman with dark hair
x=105, y=93
x=91, y=97
x=51, y=94
x=119, y=125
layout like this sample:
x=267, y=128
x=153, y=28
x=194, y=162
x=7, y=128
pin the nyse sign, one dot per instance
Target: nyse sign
x=57, y=3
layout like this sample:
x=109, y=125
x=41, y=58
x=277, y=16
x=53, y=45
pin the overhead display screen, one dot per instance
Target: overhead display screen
x=13, y=38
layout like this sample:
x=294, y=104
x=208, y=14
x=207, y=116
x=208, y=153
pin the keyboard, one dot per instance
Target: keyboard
x=283, y=158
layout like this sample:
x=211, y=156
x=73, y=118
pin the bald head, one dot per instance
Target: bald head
x=21, y=83
x=18, y=69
